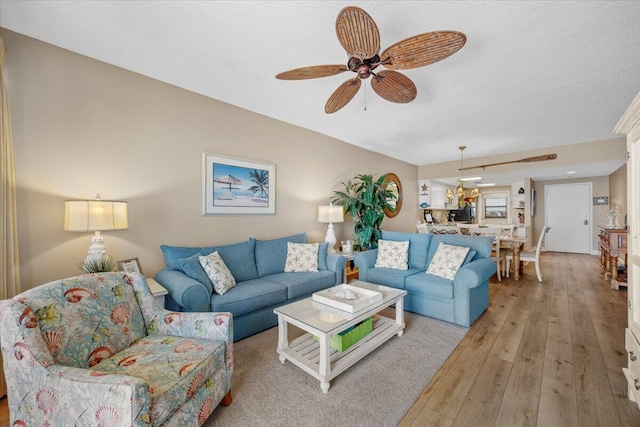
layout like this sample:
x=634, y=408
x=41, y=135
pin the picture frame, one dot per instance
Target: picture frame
x=131, y=265
x=233, y=186
x=601, y=200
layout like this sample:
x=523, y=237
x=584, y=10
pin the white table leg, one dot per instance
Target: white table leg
x=400, y=315
x=283, y=339
x=325, y=362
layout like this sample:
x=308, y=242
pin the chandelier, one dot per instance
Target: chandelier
x=461, y=191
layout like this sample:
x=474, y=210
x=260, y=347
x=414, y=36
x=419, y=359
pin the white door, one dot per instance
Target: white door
x=568, y=213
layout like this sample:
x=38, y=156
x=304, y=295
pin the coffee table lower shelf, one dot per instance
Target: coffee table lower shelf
x=305, y=351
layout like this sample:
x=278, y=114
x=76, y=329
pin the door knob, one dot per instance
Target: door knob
x=586, y=222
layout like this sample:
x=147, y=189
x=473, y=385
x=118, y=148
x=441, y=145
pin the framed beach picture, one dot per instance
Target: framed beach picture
x=131, y=265
x=232, y=186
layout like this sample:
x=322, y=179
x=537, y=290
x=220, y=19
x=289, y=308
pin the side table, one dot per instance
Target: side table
x=349, y=272
x=157, y=291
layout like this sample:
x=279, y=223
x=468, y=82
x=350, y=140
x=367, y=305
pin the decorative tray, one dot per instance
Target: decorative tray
x=347, y=298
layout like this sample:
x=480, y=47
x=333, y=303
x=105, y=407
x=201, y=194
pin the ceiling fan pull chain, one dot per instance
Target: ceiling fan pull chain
x=365, y=97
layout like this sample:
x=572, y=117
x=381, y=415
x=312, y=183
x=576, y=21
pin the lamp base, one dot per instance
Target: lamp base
x=330, y=238
x=97, y=249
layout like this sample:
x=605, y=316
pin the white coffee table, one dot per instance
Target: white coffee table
x=316, y=357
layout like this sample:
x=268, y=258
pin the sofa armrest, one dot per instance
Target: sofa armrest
x=364, y=261
x=336, y=263
x=185, y=291
x=475, y=273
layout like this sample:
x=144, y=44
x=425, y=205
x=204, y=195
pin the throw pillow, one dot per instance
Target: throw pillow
x=392, y=254
x=301, y=257
x=191, y=267
x=218, y=273
x=447, y=260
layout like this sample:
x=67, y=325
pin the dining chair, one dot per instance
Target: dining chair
x=532, y=256
x=496, y=252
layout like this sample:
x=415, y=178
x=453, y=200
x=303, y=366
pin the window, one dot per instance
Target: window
x=495, y=207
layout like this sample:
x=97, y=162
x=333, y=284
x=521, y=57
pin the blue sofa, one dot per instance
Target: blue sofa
x=262, y=285
x=460, y=301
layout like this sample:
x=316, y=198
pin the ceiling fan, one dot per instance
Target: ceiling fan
x=359, y=36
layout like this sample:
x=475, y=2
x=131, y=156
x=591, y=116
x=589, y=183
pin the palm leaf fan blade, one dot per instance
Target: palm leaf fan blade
x=312, y=72
x=423, y=49
x=357, y=32
x=394, y=87
x=341, y=97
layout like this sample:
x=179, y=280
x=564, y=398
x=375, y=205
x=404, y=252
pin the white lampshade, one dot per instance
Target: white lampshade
x=95, y=215
x=330, y=213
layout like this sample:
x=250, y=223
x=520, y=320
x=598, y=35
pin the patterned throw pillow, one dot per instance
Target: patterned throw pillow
x=220, y=276
x=301, y=257
x=447, y=260
x=392, y=254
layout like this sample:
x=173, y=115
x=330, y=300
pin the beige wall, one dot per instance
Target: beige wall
x=600, y=187
x=83, y=127
x=618, y=191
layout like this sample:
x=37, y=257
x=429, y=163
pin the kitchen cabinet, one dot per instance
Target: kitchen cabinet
x=433, y=195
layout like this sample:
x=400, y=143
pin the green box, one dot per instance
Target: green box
x=345, y=339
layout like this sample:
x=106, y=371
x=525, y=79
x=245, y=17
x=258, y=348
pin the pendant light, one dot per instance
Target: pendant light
x=461, y=191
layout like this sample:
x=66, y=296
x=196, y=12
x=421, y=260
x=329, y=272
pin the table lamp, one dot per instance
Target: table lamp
x=330, y=214
x=95, y=215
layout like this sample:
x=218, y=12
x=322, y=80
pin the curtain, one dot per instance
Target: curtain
x=9, y=268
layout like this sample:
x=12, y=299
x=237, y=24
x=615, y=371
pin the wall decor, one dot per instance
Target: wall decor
x=600, y=200
x=232, y=186
x=131, y=265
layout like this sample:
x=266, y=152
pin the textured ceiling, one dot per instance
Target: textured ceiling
x=531, y=75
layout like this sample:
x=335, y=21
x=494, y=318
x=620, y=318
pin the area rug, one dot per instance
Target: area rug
x=376, y=391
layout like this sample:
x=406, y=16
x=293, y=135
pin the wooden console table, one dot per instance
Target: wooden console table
x=613, y=245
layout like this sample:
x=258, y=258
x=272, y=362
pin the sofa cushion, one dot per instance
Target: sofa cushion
x=272, y=254
x=428, y=285
x=172, y=254
x=174, y=367
x=418, y=246
x=390, y=276
x=240, y=259
x=393, y=254
x=301, y=257
x=217, y=272
x=322, y=256
x=481, y=244
x=192, y=268
x=249, y=296
x=299, y=284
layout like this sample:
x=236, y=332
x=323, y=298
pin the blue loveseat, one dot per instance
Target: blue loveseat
x=460, y=301
x=262, y=285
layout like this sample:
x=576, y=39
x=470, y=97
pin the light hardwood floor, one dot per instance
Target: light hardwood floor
x=544, y=354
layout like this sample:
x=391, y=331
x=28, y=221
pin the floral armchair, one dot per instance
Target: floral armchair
x=98, y=350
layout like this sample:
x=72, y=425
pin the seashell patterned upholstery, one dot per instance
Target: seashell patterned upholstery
x=98, y=350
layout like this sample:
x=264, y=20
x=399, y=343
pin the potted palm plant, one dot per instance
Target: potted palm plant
x=365, y=198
